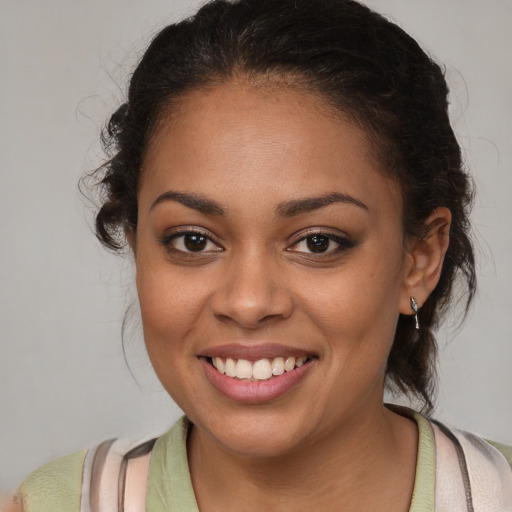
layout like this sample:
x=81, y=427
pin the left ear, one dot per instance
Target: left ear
x=424, y=259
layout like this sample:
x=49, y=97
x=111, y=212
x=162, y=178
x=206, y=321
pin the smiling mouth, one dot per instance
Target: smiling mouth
x=260, y=370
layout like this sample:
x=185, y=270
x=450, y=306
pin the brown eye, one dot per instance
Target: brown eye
x=191, y=242
x=318, y=243
x=322, y=243
x=194, y=242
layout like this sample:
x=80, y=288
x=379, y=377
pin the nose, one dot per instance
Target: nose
x=253, y=292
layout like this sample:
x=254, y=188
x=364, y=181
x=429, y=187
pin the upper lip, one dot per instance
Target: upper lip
x=255, y=351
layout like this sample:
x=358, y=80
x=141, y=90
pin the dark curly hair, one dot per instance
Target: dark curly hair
x=364, y=66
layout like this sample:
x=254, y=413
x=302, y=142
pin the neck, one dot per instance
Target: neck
x=368, y=464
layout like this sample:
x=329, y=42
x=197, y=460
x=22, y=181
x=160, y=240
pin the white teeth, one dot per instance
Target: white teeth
x=300, y=361
x=289, y=364
x=262, y=369
x=278, y=366
x=219, y=364
x=230, y=368
x=243, y=369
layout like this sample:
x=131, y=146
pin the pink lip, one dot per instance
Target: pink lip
x=255, y=392
x=254, y=351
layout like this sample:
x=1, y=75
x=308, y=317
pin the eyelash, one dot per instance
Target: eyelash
x=344, y=243
x=168, y=240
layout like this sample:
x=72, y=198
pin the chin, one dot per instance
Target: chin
x=257, y=433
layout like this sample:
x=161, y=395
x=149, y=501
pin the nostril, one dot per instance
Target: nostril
x=250, y=322
x=269, y=318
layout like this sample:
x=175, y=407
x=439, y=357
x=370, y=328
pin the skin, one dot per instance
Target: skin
x=250, y=149
x=10, y=504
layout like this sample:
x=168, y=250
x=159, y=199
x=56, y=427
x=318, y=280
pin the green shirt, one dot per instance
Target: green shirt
x=56, y=487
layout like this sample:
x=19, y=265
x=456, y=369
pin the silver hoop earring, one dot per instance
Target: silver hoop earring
x=415, y=308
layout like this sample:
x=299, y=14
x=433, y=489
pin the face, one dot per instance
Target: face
x=270, y=267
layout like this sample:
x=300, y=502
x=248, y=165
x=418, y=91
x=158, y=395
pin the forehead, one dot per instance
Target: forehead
x=234, y=139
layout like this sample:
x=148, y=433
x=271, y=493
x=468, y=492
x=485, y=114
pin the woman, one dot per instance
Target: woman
x=288, y=181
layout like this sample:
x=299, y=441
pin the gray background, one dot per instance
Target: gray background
x=64, y=382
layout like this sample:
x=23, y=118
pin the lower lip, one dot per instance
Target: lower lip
x=255, y=392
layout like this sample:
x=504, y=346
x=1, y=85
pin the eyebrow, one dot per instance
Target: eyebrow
x=194, y=201
x=286, y=209
x=308, y=204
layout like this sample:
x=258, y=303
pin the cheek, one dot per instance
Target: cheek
x=170, y=302
x=358, y=305
x=170, y=308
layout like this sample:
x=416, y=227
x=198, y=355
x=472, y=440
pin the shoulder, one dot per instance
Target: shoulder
x=484, y=458
x=505, y=450
x=66, y=483
x=116, y=469
x=54, y=487
x=483, y=455
x=486, y=472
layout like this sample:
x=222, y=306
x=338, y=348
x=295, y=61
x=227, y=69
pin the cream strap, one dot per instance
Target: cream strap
x=136, y=479
x=453, y=488
x=114, y=477
x=471, y=475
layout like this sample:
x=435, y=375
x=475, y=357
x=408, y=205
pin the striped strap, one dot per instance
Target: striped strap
x=453, y=487
x=471, y=475
x=114, y=476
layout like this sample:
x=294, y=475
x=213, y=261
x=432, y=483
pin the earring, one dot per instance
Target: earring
x=415, y=308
